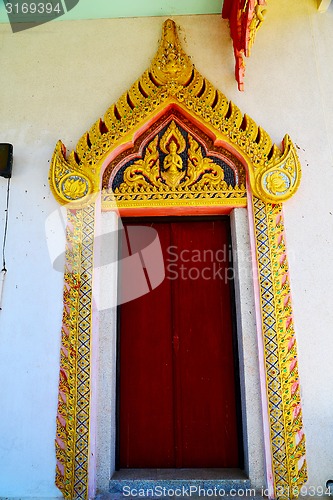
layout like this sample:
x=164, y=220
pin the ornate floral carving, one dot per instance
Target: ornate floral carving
x=69, y=181
x=275, y=182
x=201, y=169
x=74, y=187
x=163, y=177
x=147, y=170
x=173, y=175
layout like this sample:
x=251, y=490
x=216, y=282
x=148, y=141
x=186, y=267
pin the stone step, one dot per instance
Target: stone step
x=178, y=483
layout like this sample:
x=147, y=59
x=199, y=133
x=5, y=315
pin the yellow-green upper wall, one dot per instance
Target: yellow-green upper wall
x=86, y=9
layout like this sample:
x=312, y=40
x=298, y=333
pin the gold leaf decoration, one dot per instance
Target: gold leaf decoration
x=172, y=80
x=173, y=174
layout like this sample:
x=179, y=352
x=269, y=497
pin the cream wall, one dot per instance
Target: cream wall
x=55, y=81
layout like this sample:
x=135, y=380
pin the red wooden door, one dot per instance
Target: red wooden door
x=177, y=402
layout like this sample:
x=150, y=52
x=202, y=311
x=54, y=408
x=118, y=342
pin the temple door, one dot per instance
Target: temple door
x=176, y=359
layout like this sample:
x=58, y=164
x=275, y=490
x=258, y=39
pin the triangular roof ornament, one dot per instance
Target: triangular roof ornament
x=172, y=79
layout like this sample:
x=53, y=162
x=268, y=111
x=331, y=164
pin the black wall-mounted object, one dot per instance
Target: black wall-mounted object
x=6, y=160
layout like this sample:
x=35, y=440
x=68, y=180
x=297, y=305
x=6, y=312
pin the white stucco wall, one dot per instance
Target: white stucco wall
x=55, y=81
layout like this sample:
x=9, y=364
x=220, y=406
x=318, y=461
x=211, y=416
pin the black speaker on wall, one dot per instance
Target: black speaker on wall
x=6, y=160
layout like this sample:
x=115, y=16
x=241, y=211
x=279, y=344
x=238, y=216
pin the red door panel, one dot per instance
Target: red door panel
x=177, y=387
x=146, y=381
x=206, y=407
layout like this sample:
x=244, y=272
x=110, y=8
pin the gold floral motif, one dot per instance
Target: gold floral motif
x=277, y=182
x=202, y=169
x=74, y=187
x=274, y=183
x=146, y=170
x=68, y=181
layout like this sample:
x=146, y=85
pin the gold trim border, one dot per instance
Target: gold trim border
x=72, y=439
x=280, y=352
x=235, y=197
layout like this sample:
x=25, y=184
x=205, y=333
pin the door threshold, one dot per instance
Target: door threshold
x=193, y=480
x=198, y=474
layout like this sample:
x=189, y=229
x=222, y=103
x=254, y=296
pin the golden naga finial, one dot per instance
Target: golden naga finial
x=171, y=64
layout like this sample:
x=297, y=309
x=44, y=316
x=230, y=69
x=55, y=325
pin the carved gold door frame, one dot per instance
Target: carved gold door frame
x=172, y=89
